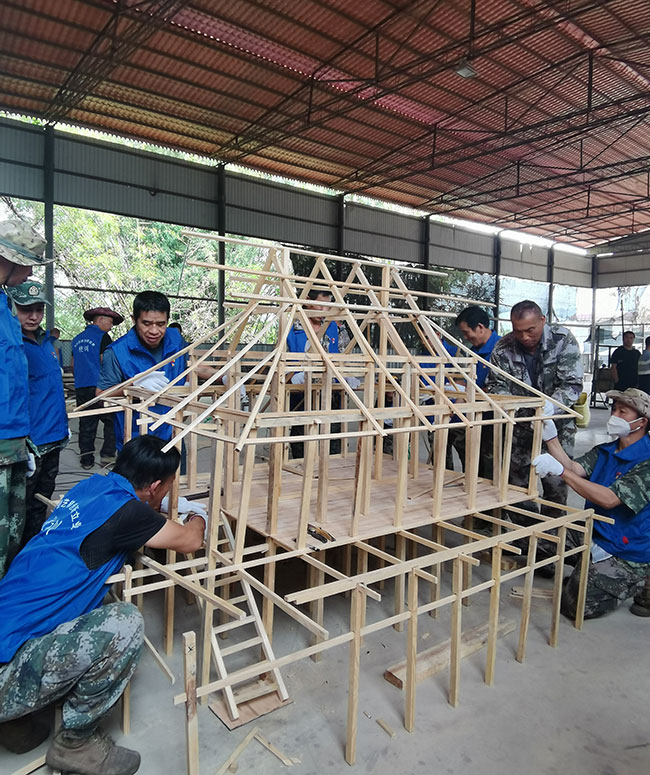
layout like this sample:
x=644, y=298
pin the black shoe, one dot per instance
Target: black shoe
x=87, y=464
x=94, y=755
x=24, y=734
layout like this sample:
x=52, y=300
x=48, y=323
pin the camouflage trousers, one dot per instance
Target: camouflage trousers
x=87, y=661
x=609, y=582
x=456, y=440
x=12, y=511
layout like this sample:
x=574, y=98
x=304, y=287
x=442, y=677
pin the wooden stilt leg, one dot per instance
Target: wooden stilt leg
x=525, y=603
x=557, y=587
x=456, y=630
x=411, y=652
x=358, y=604
x=191, y=719
x=317, y=607
x=585, y=560
x=400, y=552
x=493, y=621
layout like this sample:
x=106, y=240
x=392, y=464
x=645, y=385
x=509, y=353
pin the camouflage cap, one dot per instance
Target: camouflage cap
x=31, y=292
x=20, y=244
x=637, y=399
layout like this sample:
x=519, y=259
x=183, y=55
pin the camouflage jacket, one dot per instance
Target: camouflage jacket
x=559, y=372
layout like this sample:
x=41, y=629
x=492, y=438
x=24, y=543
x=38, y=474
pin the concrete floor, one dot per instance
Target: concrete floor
x=579, y=708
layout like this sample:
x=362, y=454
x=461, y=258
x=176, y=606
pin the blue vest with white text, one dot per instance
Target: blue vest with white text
x=297, y=339
x=47, y=413
x=629, y=536
x=85, y=351
x=134, y=358
x=49, y=583
x=14, y=391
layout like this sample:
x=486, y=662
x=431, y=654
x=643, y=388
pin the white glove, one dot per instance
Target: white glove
x=184, y=506
x=546, y=464
x=549, y=409
x=549, y=431
x=154, y=382
x=31, y=464
x=298, y=378
x=460, y=388
x=353, y=382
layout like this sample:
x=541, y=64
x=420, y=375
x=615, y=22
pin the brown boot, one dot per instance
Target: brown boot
x=94, y=755
x=641, y=605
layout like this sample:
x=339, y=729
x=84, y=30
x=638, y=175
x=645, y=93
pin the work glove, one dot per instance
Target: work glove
x=353, y=382
x=154, y=382
x=298, y=378
x=549, y=431
x=547, y=465
x=31, y=465
x=185, y=508
x=549, y=408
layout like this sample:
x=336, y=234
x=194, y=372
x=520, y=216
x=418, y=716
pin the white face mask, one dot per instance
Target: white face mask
x=620, y=428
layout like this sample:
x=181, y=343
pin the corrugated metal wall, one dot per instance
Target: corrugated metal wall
x=109, y=177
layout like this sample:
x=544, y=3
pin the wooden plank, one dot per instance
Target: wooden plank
x=434, y=660
x=358, y=603
x=411, y=652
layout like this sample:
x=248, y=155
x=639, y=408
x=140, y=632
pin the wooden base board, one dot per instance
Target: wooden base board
x=436, y=659
x=248, y=711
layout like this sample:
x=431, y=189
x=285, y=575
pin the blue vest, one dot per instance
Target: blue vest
x=629, y=536
x=48, y=583
x=297, y=339
x=485, y=351
x=14, y=392
x=47, y=413
x=134, y=358
x=85, y=350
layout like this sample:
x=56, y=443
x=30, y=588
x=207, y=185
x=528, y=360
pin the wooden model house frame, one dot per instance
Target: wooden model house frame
x=404, y=518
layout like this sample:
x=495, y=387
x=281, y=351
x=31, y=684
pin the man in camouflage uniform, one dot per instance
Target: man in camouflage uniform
x=614, y=479
x=56, y=639
x=21, y=248
x=547, y=357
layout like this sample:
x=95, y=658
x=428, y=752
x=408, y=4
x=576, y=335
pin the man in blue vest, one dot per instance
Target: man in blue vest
x=48, y=418
x=57, y=641
x=21, y=248
x=614, y=479
x=87, y=351
x=147, y=343
x=474, y=326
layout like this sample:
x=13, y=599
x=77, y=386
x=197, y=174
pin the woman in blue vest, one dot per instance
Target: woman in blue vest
x=20, y=249
x=47, y=413
x=87, y=351
x=614, y=479
x=57, y=640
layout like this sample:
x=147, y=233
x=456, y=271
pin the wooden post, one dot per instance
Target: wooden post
x=317, y=607
x=557, y=587
x=242, y=514
x=191, y=719
x=456, y=631
x=356, y=614
x=585, y=561
x=400, y=553
x=493, y=620
x=526, y=602
x=411, y=652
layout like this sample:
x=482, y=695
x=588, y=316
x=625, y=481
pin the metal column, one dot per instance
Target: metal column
x=48, y=199
x=221, y=227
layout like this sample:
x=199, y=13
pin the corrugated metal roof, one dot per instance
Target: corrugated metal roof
x=550, y=135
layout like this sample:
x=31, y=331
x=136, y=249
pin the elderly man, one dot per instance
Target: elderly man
x=614, y=479
x=546, y=357
x=57, y=641
x=21, y=248
x=48, y=417
x=87, y=350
